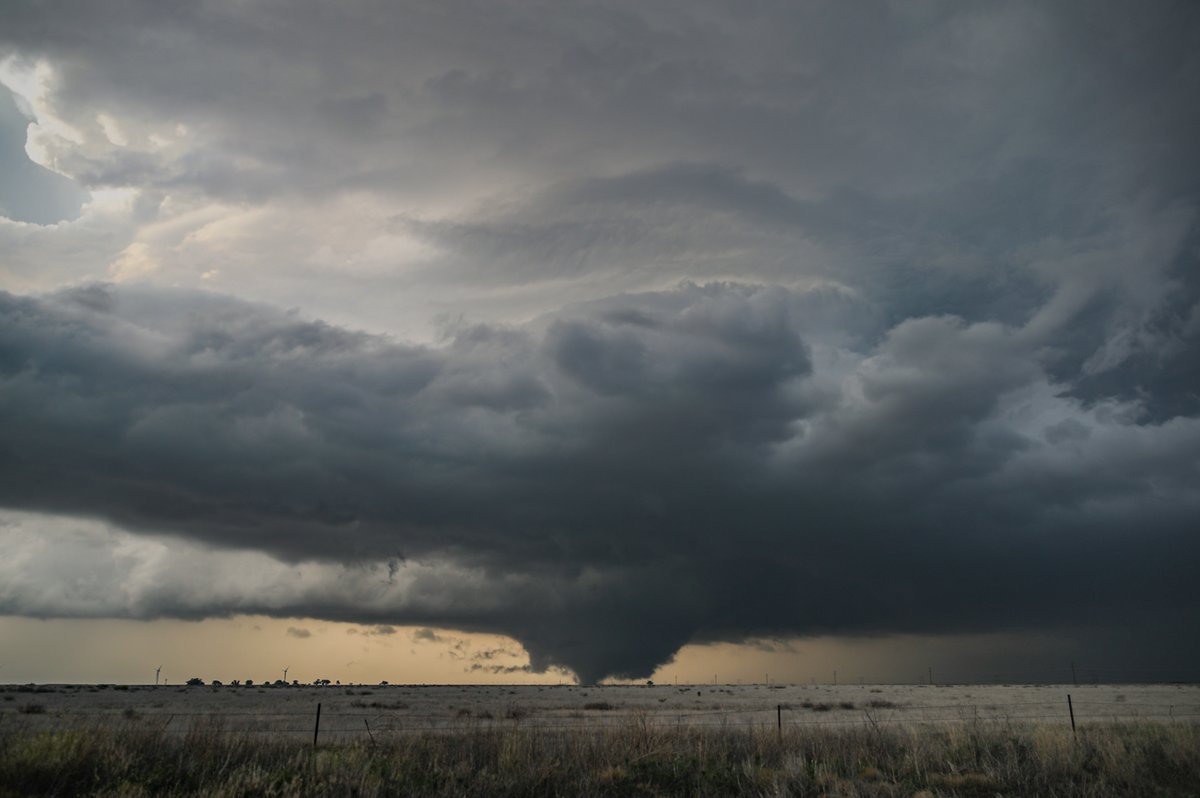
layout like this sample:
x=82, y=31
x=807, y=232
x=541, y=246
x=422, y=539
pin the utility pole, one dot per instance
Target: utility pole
x=835, y=678
x=157, y=671
x=285, y=670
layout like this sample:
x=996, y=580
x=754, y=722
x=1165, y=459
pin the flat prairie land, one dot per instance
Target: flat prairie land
x=871, y=740
x=264, y=709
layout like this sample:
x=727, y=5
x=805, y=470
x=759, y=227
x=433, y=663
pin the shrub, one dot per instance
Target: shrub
x=358, y=703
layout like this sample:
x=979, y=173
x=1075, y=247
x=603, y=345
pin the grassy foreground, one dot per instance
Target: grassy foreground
x=1127, y=759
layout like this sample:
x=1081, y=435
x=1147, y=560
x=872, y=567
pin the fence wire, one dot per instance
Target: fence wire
x=340, y=723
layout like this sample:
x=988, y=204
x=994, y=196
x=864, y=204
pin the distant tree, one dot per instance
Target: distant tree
x=383, y=683
x=216, y=682
x=236, y=683
x=195, y=681
x=249, y=682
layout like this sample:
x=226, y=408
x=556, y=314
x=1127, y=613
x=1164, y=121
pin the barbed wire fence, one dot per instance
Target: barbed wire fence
x=339, y=724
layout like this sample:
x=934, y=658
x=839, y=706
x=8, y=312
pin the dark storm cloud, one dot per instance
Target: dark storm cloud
x=888, y=101
x=930, y=365
x=720, y=221
x=347, y=431
x=495, y=653
x=427, y=636
x=624, y=476
x=988, y=162
x=497, y=669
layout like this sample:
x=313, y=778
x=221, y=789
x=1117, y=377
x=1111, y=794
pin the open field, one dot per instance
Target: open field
x=350, y=710
x=615, y=740
x=1132, y=759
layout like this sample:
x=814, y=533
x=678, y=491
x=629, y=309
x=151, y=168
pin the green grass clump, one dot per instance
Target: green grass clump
x=1126, y=760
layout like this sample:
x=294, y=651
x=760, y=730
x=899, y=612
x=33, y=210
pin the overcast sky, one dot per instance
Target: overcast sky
x=608, y=328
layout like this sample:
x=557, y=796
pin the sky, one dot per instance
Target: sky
x=522, y=341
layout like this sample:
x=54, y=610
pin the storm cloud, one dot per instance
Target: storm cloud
x=610, y=481
x=608, y=327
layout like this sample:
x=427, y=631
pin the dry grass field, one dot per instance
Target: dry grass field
x=612, y=740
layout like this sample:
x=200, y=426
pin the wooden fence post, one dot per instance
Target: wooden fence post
x=317, y=726
x=1071, y=709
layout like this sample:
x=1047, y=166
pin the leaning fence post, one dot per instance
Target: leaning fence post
x=317, y=726
x=1071, y=709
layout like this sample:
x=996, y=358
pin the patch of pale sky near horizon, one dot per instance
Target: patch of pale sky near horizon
x=66, y=650
x=249, y=647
